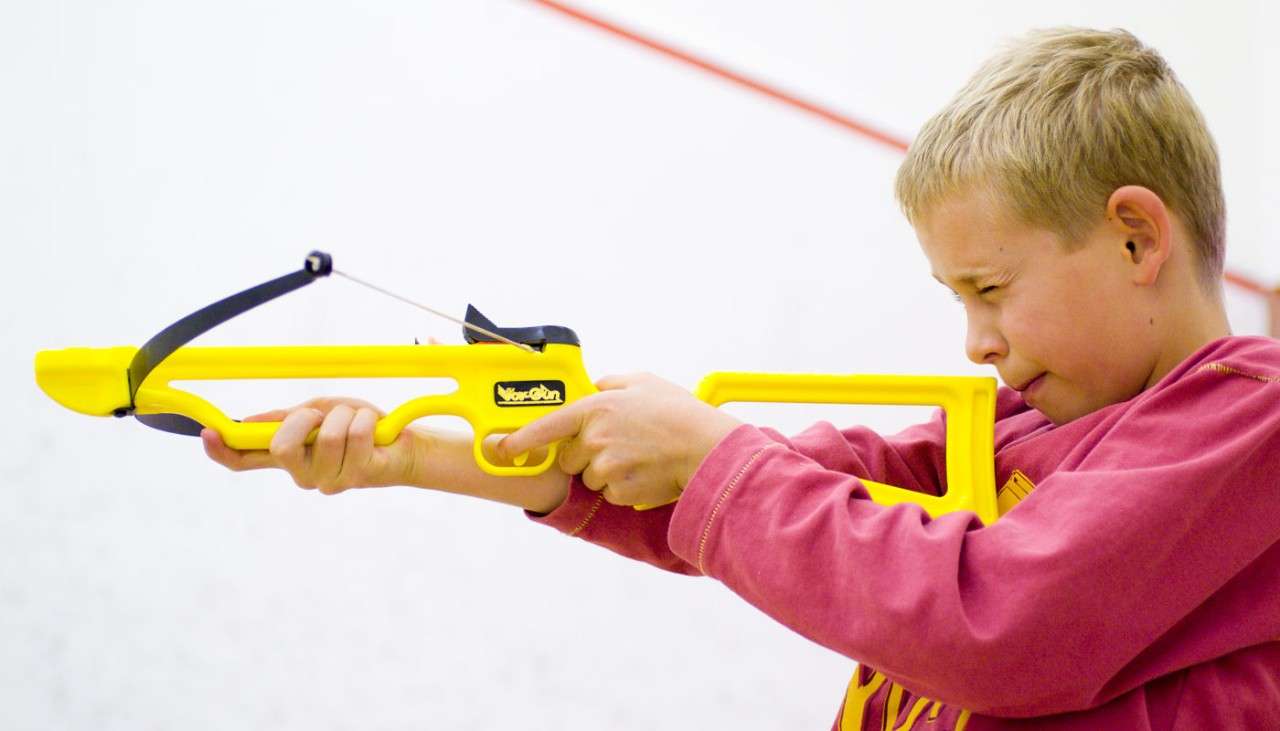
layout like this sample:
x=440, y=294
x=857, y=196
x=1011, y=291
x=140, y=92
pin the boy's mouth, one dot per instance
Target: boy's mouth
x=1025, y=389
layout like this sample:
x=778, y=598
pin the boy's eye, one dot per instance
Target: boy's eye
x=981, y=291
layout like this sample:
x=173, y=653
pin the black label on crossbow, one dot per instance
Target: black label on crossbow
x=528, y=393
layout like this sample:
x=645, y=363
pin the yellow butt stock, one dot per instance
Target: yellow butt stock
x=501, y=388
x=969, y=403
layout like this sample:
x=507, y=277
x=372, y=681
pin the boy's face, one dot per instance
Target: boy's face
x=1067, y=329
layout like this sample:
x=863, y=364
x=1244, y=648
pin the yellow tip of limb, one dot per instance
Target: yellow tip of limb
x=92, y=381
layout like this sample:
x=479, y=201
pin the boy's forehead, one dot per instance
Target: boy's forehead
x=959, y=240
x=968, y=212
x=969, y=235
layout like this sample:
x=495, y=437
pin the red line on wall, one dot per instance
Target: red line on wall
x=734, y=77
x=1271, y=294
x=1250, y=285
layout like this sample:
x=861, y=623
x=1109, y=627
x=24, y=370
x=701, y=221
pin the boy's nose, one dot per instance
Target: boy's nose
x=983, y=343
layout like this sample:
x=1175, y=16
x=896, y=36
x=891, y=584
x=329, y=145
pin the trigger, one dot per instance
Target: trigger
x=520, y=459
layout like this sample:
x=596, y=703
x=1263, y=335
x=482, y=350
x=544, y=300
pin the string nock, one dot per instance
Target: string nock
x=319, y=263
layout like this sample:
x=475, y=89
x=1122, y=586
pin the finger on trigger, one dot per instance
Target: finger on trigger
x=551, y=428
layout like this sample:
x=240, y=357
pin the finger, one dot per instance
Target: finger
x=609, y=383
x=617, y=485
x=330, y=448
x=551, y=428
x=613, y=496
x=624, y=489
x=574, y=457
x=288, y=446
x=594, y=477
x=359, y=445
x=328, y=403
x=234, y=459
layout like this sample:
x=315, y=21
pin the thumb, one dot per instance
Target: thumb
x=273, y=415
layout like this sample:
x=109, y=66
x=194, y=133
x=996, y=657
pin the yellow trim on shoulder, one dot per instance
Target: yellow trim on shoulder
x=1231, y=371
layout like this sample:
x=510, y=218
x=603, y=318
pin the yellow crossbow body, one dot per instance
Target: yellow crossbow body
x=506, y=378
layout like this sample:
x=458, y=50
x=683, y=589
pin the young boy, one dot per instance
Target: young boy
x=1070, y=198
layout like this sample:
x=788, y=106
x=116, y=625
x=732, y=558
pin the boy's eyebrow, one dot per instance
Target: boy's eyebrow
x=970, y=277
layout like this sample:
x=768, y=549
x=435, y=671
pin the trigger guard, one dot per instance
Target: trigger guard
x=519, y=466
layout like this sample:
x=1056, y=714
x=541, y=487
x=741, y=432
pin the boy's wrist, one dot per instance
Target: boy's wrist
x=424, y=447
x=445, y=461
x=703, y=442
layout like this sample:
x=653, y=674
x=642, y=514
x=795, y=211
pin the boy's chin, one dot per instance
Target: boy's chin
x=1061, y=413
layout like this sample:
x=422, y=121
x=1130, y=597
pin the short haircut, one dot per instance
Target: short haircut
x=1056, y=122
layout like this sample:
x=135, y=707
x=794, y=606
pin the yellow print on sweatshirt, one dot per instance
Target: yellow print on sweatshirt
x=864, y=687
x=862, y=690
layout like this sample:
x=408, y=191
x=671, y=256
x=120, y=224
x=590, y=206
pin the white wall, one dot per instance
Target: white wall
x=160, y=155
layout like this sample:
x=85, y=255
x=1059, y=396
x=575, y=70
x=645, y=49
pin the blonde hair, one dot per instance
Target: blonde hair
x=1058, y=120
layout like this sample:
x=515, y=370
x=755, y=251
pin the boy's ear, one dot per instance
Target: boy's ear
x=1140, y=223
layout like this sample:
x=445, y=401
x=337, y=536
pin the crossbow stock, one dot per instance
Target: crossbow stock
x=506, y=377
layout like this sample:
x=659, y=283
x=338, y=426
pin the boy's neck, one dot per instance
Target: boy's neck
x=1200, y=321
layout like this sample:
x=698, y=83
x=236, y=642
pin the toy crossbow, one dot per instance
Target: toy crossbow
x=507, y=377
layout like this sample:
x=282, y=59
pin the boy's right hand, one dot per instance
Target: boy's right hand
x=343, y=455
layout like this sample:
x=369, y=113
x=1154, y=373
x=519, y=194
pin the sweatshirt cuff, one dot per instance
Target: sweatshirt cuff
x=575, y=513
x=715, y=480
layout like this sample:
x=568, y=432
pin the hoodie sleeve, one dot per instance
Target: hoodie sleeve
x=1133, y=559
x=913, y=459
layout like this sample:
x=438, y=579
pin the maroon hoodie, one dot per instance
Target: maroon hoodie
x=1135, y=585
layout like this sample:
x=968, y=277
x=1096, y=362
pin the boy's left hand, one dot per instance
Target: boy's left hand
x=639, y=440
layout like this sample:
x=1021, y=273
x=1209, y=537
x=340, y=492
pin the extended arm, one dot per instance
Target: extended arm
x=344, y=456
x=1130, y=558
